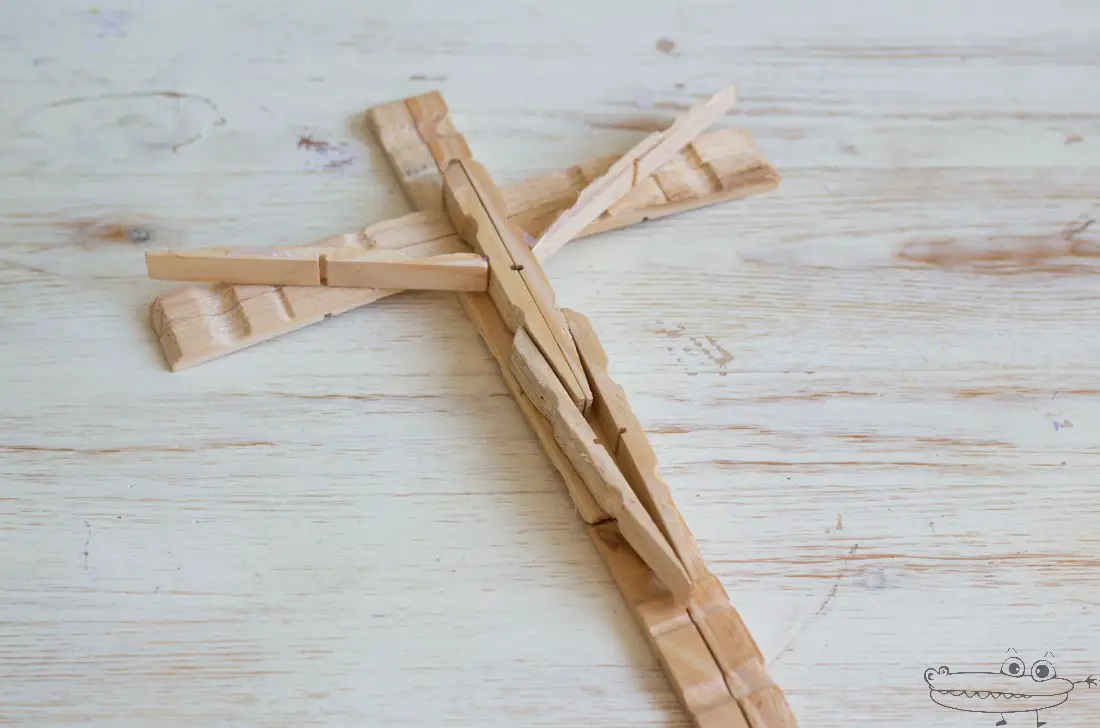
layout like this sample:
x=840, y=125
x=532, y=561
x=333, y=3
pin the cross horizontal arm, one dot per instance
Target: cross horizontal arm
x=195, y=324
x=339, y=267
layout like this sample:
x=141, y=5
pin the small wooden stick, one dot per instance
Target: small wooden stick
x=520, y=304
x=454, y=272
x=250, y=266
x=594, y=464
x=340, y=267
x=633, y=167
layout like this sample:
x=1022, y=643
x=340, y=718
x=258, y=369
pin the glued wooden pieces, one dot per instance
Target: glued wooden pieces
x=516, y=284
x=594, y=464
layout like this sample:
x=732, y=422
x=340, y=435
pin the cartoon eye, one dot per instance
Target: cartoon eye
x=1014, y=667
x=1042, y=671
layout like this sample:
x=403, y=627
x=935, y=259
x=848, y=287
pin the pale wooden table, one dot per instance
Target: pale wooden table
x=874, y=391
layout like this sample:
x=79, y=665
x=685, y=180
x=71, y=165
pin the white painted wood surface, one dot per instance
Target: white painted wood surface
x=874, y=392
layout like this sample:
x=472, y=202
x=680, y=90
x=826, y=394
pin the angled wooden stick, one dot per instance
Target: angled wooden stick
x=351, y=268
x=630, y=169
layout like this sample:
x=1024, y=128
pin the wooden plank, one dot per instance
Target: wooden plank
x=519, y=305
x=633, y=167
x=193, y=324
x=594, y=464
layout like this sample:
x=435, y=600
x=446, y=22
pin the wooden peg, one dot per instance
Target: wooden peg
x=386, y=269
x=251, y=266
x=633, y=167
x=519, y=304
x=594, y=464
x=192, y=327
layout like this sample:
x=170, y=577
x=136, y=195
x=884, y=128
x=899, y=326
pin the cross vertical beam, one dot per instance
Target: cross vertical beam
x=706, y=651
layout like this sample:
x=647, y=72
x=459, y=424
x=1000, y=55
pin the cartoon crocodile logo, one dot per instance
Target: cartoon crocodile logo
x=1014, y=689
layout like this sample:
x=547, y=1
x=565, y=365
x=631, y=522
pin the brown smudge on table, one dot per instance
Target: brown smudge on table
x=326, y=155
x=132, y=448
x=666, y=45
x=669, y=430
x=629, y=123
x=1064, y=253
x=1073, y=139
x=97, y=233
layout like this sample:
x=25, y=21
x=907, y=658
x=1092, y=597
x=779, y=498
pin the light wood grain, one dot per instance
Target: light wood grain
x=851, y=383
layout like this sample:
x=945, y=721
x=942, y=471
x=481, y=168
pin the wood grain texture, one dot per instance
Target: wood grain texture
x=852, y=383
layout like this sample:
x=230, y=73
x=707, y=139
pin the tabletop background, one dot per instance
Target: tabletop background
x=873, y=391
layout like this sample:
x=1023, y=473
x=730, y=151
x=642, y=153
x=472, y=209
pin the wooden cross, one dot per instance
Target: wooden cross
x=487, y=244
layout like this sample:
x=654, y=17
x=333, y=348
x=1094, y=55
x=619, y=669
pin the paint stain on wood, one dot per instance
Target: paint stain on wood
x=132, y=448
x=1065, y=253
x=1074, y=139
x=669, y=430
x=1063, y=425
x=629, y=123
x=666, y=46
x=322, y=154
x=93, y=234
x=675, y=333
